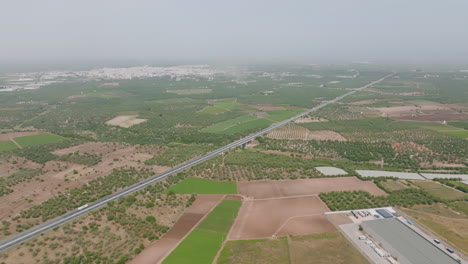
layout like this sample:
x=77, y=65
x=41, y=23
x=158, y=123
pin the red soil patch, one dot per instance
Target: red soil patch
x=265, y=218
x=156, y=252
x=288, y=188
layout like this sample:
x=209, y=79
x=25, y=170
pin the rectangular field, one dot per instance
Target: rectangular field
x=221, y=126
x=203, y=243
x=197, y=185
x=265, y=218
x=457, y=133
x=258, y=123
x=440, y=191
x=288, y=188
x=7, y=145
x=259, y=251
x=324, y=248
x=37, y=140
x=281, y=115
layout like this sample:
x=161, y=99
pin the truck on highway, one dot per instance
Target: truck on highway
x=82, y=207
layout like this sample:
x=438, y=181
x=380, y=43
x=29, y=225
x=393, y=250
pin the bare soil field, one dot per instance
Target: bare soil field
x=425, y=112
x=125, y=121
x=156, y=252
x=269, y=217
x=339, y=218
x=9, y=136
x=59, y=176
x=12, y=165
x=288, y=188
x=292, y=132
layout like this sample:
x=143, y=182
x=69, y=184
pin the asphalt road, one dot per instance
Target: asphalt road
x=21, y=237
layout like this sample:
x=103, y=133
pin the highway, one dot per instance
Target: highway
x=21, y=237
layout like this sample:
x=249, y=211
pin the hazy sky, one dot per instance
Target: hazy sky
x=236, y=30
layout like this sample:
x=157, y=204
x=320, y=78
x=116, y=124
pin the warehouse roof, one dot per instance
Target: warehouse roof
x=407, y=242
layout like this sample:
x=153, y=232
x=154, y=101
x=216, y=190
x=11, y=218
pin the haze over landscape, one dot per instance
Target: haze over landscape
x=54, y=31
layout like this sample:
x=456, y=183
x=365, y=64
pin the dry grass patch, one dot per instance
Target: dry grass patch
x=259, y=251
x=125, y=121
x=323, y=248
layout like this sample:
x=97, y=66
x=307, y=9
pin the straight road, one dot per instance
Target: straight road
x=21, y=237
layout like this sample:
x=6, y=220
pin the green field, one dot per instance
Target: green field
x=281, y=115
x=37, y=140
x=213, y=110
x=202, y=244
x=246, y=126
x=440, y=191
x=222, y=126
x=7, y=145
x=457, y=133
x=197, y=185
x=460, y=124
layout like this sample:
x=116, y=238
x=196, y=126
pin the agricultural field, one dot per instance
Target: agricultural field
x=197, y=185
x=261, y=251
x=408, y=145
x=324, y=248
x=70, y=156
x=238, y=125
x=441, y=191
x=7, y=145
x=329, y=247
x=37, y=140
x=393, y=185
x=203, y=243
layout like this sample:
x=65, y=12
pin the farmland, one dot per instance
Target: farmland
x=196, y=185
x=318, y=248
x=36, y=140
x=7, y=145
x=205, y=241
x=440, y=191
x=71, y=155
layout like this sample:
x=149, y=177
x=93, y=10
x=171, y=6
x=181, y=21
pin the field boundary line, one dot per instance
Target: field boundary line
x=16, y=143
x=215, y=260
x=293, y=217
x=191, y=230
